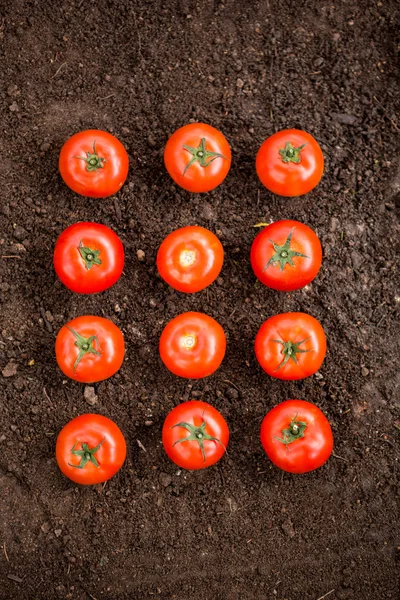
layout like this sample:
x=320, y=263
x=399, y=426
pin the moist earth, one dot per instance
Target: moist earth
x=241, y=530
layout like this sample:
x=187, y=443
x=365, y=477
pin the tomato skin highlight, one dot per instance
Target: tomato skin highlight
x=190, y=259
x=91, y=429
x=306, y=453
x=298, y=328
x=106, y=351
x=197, y=178
x=290, y=178
x=188, y=455
x=103, y=181
x=70, y=266
x=204, y=350
x=303, y=241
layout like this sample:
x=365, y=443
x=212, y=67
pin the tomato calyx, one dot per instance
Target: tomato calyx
x=290, y=153
x=93, y=160
x=197, y=434
x=84, y=346
x=283, y=254
x=86, y=454
x=290, y=351
x=201, y=155
x=90, y=256
x=294, y=432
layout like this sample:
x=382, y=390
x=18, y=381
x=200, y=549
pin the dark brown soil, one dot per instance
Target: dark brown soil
x=241, y=530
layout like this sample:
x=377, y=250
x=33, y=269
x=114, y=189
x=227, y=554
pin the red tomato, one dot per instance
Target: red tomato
x=286, y=255
x=195, y=435
x=198, y=157
x=90, y=449
x=290, y=163
x=190, y=258
x=290, y=346
x=192, y=345
x=94, y=163
x=88, y=257
x=90, y=349
x=297, y=436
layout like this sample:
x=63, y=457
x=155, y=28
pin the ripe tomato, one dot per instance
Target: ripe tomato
x=89, y=349
x=192, y=345
x=88, y=257
x=90, y=449
x=94, y=163
x=286, y=255
x=297, y=436
x=198, y=157
x=190, y=258
x=195, y=435
x=290, y=346
x=290, y=163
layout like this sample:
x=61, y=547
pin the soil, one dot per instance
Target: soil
x=242, y=529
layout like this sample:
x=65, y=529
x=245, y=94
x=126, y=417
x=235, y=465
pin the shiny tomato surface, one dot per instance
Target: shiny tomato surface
x=286, y=255
x=190, y=259
x=88, y=257
x=290, y=346
x=90, y=349
x=94, y=163
x=195, y=435
x=297, y=436
x=192, y=345
x=290, y=163
x=90, y=449
x=198, y=157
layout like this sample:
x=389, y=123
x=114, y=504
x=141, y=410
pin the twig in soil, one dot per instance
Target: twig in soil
x=325, y=595
x=5, y=552
x=90, y=596
x=15, y=578
x=10, y=256
x=106, y=97
x=46, y=395
x=385, y=113
x=231, y=382
x=340, y=457
x=139, y=443
x=58, y=70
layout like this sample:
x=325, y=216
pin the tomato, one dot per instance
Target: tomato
x=290, y=346
x=297, y=436
x=190, y=258
x=195, y=435
x=192, y=345
x=88, y=257
x=94, y=163
x=198, y=157
x=90, y=449
x=89, y=349
x=290, y=163
x=286, y=255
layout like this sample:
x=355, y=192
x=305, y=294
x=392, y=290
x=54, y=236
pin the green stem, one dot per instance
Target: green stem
x=93, y=160
x=290, y=153
x=84, y=346
x=201, y=155
x=197, y=434
x=294, y=432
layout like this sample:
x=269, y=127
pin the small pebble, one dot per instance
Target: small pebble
x=19, y=233
x=89, y=395
x=10, y=370
x=57, y=532
x=140, y=254
x=364, y=371
x=165, y=479
x=239, y=83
